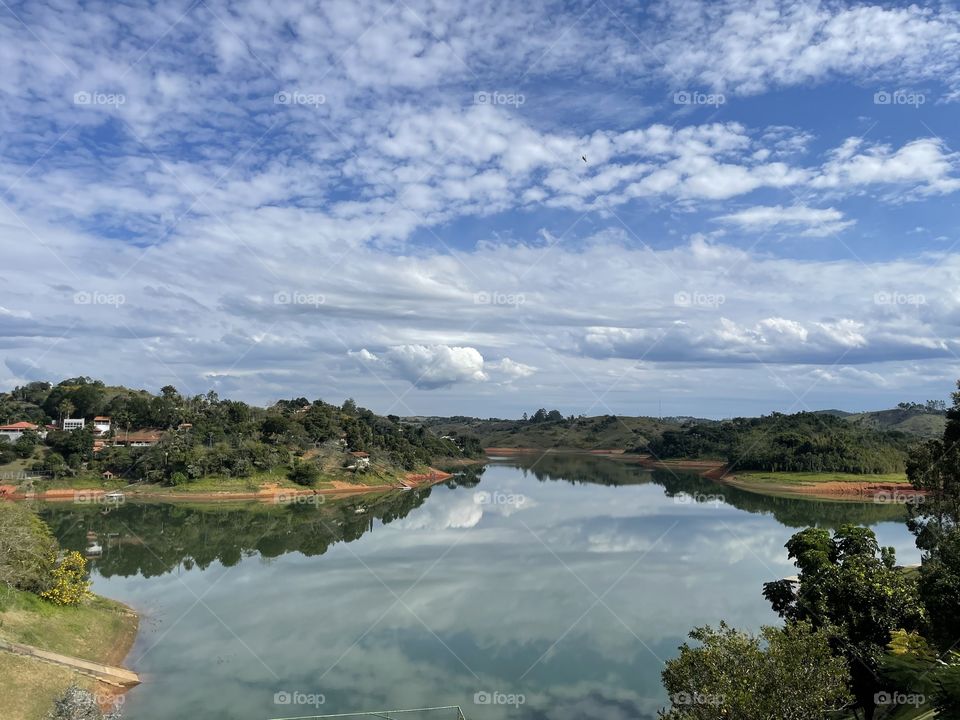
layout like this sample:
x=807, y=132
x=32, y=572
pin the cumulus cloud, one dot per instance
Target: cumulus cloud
x=257, y=239
x=428, y=366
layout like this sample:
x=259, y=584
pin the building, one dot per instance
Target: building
x=69, y=424
x=101, y=424
x=16, y=430
x=361, y=460
x=138, y=438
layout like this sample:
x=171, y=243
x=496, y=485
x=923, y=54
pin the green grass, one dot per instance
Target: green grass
x=89, y=630
x=811, y=478
x=99, y=630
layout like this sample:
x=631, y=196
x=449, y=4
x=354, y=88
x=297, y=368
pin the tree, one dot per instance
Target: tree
x=940, y=590
x=26, y=444
x=850, y=588
x=785, y=674
x=65, y=408
x=27, y=549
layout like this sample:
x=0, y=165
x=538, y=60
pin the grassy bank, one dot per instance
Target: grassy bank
x=812, y=478
x=98, y=630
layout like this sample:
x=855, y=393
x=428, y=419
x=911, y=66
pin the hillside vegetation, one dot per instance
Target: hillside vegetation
x=552, y=430
x=183, y=439
x=873, y=442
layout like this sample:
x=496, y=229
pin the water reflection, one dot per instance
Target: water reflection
x=532, y=581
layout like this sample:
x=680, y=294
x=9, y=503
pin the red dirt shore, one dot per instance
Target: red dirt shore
x=268, y=493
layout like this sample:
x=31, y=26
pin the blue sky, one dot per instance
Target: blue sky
x=389, y=201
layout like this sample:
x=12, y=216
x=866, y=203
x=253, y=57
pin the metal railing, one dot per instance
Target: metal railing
x=387, y=714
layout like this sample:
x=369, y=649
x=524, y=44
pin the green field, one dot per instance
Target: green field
x=811, y=478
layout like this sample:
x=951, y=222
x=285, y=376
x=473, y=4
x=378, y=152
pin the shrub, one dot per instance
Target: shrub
x=70, y=585
x=78, y=704
x=27, y=549
x=303, y=473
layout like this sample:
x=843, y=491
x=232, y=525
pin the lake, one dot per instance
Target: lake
x=551, y=588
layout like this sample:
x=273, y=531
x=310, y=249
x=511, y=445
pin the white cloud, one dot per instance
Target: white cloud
x=748, y=47
x=428, y=366
x=512, y=370
x=810, y=222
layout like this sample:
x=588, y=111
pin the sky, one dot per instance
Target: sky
x=482, y=208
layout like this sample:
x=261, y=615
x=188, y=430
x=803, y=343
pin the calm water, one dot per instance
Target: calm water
x=568, y=584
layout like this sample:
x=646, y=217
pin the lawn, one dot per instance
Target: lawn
x=99, y=630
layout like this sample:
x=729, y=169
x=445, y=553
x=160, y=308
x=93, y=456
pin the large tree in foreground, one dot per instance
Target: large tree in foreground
x=785, y=674
x=934, y=469
x=851, y=589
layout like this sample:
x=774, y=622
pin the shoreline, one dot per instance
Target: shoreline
x=717, y=471
x=267, y=493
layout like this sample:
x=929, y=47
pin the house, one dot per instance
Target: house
x=361, y=461
x=68, y=424
x=16, y=430
x=101, y=425
x=138, y=438
x=107, y=475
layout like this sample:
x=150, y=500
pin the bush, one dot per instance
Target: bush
x=27, y=549
x=303, y=473
x=70, y=585
x=78, y=704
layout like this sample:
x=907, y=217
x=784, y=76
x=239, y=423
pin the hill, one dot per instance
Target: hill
x=912, y=420
x=552, y=430
x=173, y=439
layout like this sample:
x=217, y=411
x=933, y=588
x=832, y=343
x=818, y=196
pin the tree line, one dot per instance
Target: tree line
x=205, y=435
x=801, y=442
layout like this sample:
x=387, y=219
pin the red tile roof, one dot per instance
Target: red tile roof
x=23, y=425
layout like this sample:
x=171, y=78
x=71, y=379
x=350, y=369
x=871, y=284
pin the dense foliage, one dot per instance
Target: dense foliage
x=803, y=442
x=790, y=674
x=27, y=549
x=205, y=435
x=850, y=588
x=28, y=558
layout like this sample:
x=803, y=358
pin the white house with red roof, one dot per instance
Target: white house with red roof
x=14, y=431
x=101, y=424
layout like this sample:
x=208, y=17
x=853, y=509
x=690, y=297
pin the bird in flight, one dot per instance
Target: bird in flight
x=583, y=157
